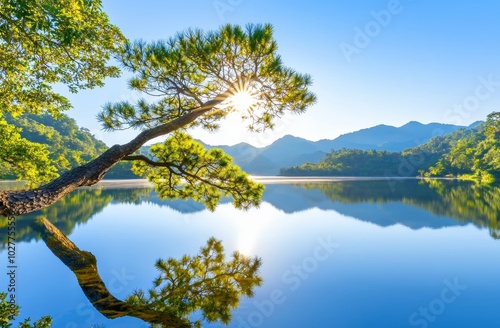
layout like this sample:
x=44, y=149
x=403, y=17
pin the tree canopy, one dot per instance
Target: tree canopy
x=44, y=43
x=202, y=73
x=475, y=156
x=48, y=42
x=197, y=68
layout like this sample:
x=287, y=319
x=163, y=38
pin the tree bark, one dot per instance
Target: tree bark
x=14, y=203
x=84, y=266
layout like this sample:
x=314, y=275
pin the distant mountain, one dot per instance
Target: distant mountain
x=77, y=145
x=468, y=153
x=290, y=151
x=390, y=138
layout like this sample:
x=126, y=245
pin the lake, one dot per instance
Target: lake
x=342, y=253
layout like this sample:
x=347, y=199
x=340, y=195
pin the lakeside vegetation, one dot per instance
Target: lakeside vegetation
x=70, y=146
x=465, y=154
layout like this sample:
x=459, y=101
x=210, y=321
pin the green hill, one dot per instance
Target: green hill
x=472, y=153
x=475, y=155
x=70, y=145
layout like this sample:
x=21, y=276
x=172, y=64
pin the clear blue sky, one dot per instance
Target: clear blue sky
x=372, y=62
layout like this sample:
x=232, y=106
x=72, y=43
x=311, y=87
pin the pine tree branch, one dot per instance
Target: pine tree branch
x=13, y=203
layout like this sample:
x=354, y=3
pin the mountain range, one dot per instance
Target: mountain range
x=290, y=151
x=66, y=140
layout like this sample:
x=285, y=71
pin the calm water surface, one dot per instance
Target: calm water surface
x=402, y=253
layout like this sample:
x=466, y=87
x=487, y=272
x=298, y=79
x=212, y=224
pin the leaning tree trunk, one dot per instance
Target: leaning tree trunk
x=84, y=266
x=13, y=203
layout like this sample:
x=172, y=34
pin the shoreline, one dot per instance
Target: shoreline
x=144, y=183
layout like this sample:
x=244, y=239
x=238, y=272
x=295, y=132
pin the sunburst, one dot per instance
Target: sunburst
x=244, y=98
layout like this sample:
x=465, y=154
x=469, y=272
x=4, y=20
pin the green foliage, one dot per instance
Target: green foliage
x=182, y=168
x=8, y=312
x=205, y=282
x=70, y=146
x=23, y=158
x=190, y=71
x=195, y=67
x=43, y=43
x=374, y=163
x=351, y=162
x=467, y=154
x=48, y=42
x=475, y=156
x=435, y=148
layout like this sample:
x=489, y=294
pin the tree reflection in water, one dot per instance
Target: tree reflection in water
x=206, y=283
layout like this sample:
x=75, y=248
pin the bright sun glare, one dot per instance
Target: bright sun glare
x=243, y=100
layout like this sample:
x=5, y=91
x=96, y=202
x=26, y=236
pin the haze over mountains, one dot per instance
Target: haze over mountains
x=290, y=151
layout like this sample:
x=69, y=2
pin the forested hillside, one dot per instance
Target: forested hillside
x=466, y=153
x=69, y=145
x=476, y=155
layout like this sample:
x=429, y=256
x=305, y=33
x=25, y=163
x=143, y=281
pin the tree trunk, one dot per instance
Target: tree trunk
x=14, y=203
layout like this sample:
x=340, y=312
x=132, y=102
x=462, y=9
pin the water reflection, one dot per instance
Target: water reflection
x=431, y=203
x=84, y=265
x=205, y=283
x=464, y=202
x=409, y=266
